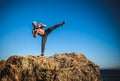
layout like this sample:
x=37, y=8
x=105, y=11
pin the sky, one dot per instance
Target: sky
x=92, y=28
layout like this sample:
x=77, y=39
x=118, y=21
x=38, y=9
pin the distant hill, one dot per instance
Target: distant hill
x=60, y=67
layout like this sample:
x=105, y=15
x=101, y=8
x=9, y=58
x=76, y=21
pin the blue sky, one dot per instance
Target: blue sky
x=92, y=28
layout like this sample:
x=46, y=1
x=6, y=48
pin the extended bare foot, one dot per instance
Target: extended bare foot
x=63, y=23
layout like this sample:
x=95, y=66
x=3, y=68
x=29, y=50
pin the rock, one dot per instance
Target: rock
x=60, y=67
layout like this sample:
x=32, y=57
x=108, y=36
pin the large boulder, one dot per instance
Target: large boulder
x=60, y=67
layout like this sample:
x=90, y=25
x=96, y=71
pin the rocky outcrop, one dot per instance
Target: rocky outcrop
x=60, y=67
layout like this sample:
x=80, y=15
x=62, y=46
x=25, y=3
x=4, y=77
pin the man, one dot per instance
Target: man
x=38, y=30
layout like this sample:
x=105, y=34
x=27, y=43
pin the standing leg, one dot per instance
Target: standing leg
x=44, y=38
x=54, y=27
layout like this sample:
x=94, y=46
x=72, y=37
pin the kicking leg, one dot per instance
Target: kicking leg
x=44, y=38
x=54, y=27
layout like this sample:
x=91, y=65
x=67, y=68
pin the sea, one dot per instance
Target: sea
x=110, y=74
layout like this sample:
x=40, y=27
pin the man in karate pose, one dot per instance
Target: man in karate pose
x=38, y=30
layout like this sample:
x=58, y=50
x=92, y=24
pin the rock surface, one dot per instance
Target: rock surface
x=60, y=67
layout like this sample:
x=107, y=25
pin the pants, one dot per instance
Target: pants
x=44, y=37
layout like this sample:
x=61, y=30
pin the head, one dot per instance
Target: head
x=34, y=23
